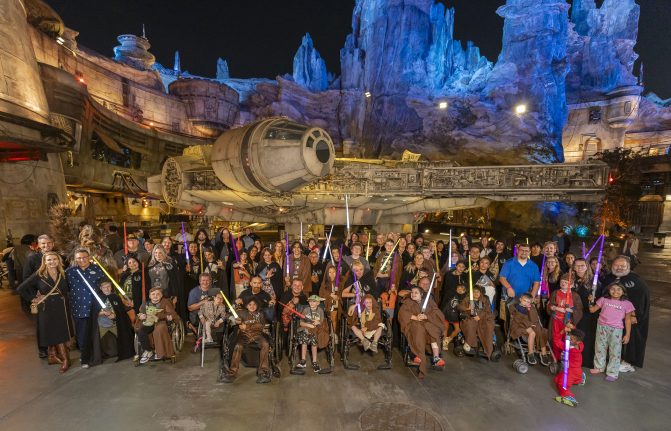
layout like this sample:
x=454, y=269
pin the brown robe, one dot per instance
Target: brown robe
x=397, y=267
x=420, y=334
x=304, y=272
x=482, y=329
x=254, y=331
x=373, y=322
x=520, y=322
x=160, y=337
x=325, y=292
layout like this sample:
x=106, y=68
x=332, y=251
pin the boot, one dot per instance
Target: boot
x=65, y=356
x=52, y=357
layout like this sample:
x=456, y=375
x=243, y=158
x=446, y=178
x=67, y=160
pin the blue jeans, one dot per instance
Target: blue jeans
x=82, y=334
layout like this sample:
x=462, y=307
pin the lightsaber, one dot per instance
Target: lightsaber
x=292, y=310
x=470, y=279
x=144, y=292
x=449, y=253
x=301, y=233
x=567, y=347
x=589, y=252
x=110, y=278
x=95, y=295
x=327, y=247
x=338, y=269
x=368, y=246
x=386, y=261
x=428, y=293
x=186, y=243
x=125, y=240
x=201, y=258
x=540, y=288
x=598, y=268
x=229, y=305
x=435, y=253
x=287, y=254
x=356, y=287
x=347, y=210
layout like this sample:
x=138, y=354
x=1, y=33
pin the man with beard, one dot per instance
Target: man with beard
x=638, y=293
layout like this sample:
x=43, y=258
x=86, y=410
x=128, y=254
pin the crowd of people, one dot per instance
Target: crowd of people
x=438, y=295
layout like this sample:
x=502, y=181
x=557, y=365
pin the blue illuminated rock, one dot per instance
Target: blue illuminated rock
x=309, y=67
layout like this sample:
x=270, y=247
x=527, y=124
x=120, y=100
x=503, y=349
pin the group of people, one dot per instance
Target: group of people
x=437, y=294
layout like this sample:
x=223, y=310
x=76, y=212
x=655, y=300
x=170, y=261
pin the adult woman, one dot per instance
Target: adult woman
x=47, y=290
x=567, y=262
x=279, y=253
x=421, y=327
x=550, y=277
x=464, y=247
x=131, y=282
x=410, y=275
x=271, y=273
x=583, y=287
x=152, y=328
x=242, y=273
x=163, y=273
x=254, y=255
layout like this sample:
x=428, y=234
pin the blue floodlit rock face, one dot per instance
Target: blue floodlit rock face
x=309, y=67
x=406, y=83
x=601, y=48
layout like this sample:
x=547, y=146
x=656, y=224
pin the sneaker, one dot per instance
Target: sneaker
x=625, y=367
x=85, y=366
x=146, y=356
x=373, y=347
x=595, y=371
x=301, y=364
x=209, y=340
x=315, y=367
x=610, y=378
x=438, y=362
x=467, y=348
x=417, y=360
x=366, y=344
x=583, y=379
x=263, y=378
x=157, y=358
x=569, y=401
x=531, y=359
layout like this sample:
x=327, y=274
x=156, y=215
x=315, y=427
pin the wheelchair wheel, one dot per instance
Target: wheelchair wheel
x=277, y=342
x=177, y=336
x=522, y=368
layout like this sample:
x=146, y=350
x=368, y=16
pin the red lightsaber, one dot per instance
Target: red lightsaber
x=302, y=316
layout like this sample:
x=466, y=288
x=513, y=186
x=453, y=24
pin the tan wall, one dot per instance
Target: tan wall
x=24, y=189
x=103, y=78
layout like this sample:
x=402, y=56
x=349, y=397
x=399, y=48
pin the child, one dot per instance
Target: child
x=307, y=333
x=615, y=308
x=370, y=321
x=524, y=321
x=565, y=309
x=212, y=313
x=250, y=323
x=451, y=312
x=331, y=293
x=575, y=373
x=477, y=321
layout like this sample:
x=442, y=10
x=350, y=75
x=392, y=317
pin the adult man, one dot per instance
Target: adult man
x=520, y=275
x=299, y=268
x=474, y=252
x=484, y=278
x=356, y=250
x=379, y=248
x=81, y=299
x=385, y=266
x=317, y=269
x=34, y=260
x=113, y=239
x=536, y=254
x=248, y=238
x=134, y=250
x=638, y=293
x=498, y=257
x=365, y=283
x=198, y=296
x=263, y=299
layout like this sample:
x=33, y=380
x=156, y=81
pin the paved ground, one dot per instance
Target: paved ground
x=468, y=395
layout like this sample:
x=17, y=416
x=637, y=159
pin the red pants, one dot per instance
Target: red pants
x=574, y=377
x=558, y=339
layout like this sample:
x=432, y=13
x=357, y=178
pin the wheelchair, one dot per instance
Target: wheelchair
x=176, y=331
x=520, y=346
x=408, y=355
x=293, y=347
x=348, y=339
x=250, y=354
x=200, y=346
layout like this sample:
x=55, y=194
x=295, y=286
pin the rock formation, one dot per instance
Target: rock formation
x=309, y=67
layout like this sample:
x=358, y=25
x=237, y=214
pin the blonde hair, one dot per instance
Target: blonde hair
x=554, y=275
x=42, y=271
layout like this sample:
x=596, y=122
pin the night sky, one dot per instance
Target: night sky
x=260, y=38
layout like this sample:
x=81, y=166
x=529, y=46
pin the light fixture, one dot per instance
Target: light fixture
x=145, y=203
x=442, y=105
x=520, y=109
x=426, y=231
x=367, y=94
x=81, y=80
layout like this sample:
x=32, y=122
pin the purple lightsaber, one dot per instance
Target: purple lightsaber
x=186, y=243
x=287, y=254
x=356, y=287
x=598, y=268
